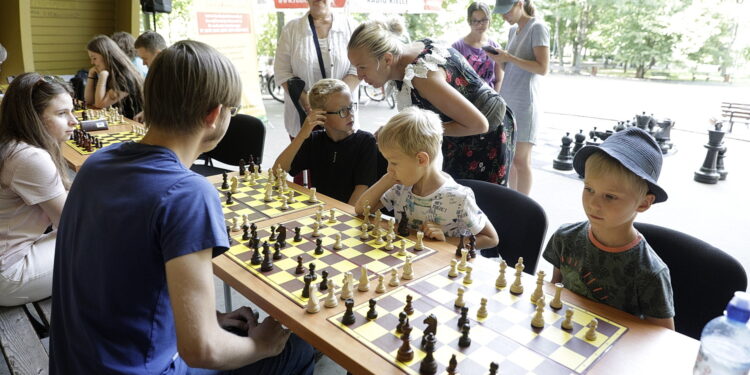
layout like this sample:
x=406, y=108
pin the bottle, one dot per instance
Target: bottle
x=725, y=341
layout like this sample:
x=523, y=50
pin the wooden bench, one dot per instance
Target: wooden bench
x=735, y=112
x=21, y=337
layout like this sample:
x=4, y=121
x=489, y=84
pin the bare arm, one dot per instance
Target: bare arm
x=538, y=66
x=666, y=323
x=286, y=157
x=103, y=98
x=201, y=342
x=499, y=74
x=487, y=237
x=53, y=208
x=556, y=276
x=373, y=194
x=358, y=191
x=467, y=120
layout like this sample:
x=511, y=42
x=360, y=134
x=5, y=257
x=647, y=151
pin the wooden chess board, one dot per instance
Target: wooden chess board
x=505, y=336
x=107, y=139
x=355, y=253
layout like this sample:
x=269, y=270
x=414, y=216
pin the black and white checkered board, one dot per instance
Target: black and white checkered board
x=107, y=139
x=354, y=254
x=505, y=336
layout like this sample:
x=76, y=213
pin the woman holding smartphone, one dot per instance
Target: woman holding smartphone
x=474, y=45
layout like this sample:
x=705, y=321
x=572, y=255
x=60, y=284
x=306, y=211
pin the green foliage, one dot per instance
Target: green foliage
x=268, y=35
x=173, y=26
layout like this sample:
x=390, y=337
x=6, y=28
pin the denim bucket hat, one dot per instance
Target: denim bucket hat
x=636, y=150
x=504, y=6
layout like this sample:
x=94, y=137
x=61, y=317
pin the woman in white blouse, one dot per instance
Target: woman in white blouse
x=36, y=117
x=296, y=55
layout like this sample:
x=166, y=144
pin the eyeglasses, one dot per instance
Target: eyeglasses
x=480, y=22
x=233, y=111
x=346, y=111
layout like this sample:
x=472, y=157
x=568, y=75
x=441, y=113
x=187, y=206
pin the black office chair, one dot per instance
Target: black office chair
x=704, y=278
x=520, y=222
x=245, y=137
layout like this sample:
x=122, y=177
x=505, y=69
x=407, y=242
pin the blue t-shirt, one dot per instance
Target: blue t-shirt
x=131, y=208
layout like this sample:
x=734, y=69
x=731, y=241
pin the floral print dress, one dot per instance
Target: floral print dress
x=485, y=157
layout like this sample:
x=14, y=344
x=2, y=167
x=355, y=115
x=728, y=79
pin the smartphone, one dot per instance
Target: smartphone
x=490, y=49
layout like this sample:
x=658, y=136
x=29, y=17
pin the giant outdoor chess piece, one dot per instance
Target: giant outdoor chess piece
x=708, y=173
x=580, y=138
x=662, y=134
x=564, y=160
x=720, y=164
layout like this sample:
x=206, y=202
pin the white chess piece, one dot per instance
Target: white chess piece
x=284, y=204
x=269, y=194
x=463, y=262
x=556, y=302
x=364, y=235
x=567, y=323
x=402, y=250
x=313, y=196
x=364, y=282
x=500, y=281
x=407, y=272
x=337, y=245
x=460, y=297
x=291, y=198
x=235, y=225
x=482, y=312
x=234, y=185
x=388, y=243
x=377, y=235
x=517, y=286
x=319, y=216
x=391, y=223
x=316, y=229
x=420, y=241
x=332, y=216
x=346, y=290
x=538, y=319
x=381, y=284
x=394, y=278
x=467, y=277
x=331, y=300
x=591, y=330
x=313, y=304
x=538, y=292
x=453, y=272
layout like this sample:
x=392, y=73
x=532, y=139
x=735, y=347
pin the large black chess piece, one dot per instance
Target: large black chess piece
x=662, y=134
x=580, y=138
x=708, y=173
x=720, y=164
x=564, y=160
x=643, y=121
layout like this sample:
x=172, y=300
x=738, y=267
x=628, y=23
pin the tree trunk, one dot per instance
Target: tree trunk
x=279, y=22
x=640, y=72
x=580, y=39
x=560, y=47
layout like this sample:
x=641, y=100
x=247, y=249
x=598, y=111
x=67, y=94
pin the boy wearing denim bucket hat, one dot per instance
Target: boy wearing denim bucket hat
x=604, y=258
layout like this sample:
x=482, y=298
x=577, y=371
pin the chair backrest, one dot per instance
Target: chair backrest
x=520, y=222
x=245, y=136
x=704, y=278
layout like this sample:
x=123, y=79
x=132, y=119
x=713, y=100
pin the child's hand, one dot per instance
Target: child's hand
x=314, y=118
x=433, y=230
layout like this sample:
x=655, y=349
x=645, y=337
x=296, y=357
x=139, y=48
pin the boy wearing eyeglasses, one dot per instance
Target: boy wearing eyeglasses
x=341, y=158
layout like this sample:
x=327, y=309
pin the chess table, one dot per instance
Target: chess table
x=75, y=157
x=626, y=344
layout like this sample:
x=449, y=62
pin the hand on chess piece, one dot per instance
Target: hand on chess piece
x=433, y=230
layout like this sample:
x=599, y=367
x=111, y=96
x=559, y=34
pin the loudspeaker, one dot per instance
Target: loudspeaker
x=156, y=6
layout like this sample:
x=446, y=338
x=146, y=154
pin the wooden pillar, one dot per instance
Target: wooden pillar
x=15, y=36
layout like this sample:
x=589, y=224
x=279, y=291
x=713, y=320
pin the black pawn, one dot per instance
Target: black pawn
x=564, y=159
x=428, y=365
x=348, y=318
x=272, y=237
x=720, y=164
x=372, y=314
x=323, y=281
x=245, y=234
x=297, y=235
x=408, y=308
x=460, y=245
x=580, y=138
x=306, y=289
x=472, y=246
x=452, y=364
x=493, y=368
x=312, y=271
x=464, y=341
x=464, y=319
x=267, y=264
x=229, y=235
x=224, y=183
x=403, y=224
x=300, y=267
x=277, y=251
x=405, y=352
x=255, y=259
x=402, y=318
x=318, y=247
x=242, y=167
x=281, y=238
x=253, y=229
x=229, y=198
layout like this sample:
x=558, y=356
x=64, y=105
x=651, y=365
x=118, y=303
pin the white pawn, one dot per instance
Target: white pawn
x=453, y=272
x=538, y=292
x=463, y=262
x=313, y=305
x=388, y=243
x=290, y=196
x=377, y=235
x=337, y=245
x=246, y=220
x=331, y=300
x=284, y=204
x=517, y=286
x=420, y=244
x=378, y=220
x=332, y=216
x=500, y=282
x=556, y=302
x=467, y=277
x=364, y=282
x=394, y=278
x=407, y=273
x=402, y=249
x=257, y=172
x=538, y=319
x=482, y=312
x=366, y=215
x=316, y=229
x=319, y=216
x=381, y=284
x=234, y=185
x=235, y=225
x=460, y=298
x=391, y=223
x=364, y=235
x=567, y=323
x=313, y=196
x=591, y=330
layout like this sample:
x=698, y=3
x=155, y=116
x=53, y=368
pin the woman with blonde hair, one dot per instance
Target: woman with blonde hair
x=113, y=80
x=479, y=130
x=36, y=116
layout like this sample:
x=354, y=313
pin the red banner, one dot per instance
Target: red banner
x=223, y=23
x=302, y=4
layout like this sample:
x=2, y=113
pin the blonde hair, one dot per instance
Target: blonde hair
x=600, y=164
x=413, y=130
x=322, y=90
x=377, y=38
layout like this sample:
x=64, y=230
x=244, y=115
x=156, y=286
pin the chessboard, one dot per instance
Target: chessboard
x=106, y=140
x=354, y=253
x=249, y=199
x=505, y=336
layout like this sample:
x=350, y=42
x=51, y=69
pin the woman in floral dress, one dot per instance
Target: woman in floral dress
x=479, y=128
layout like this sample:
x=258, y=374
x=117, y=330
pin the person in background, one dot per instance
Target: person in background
x=36, y=117
x=126, y=42
x=112, y=80
x=148, y=45
x=3, y=57
x=478, y=16
x=523, y=64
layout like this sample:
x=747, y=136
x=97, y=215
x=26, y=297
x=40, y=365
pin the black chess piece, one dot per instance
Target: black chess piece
x=348, y=318
x=372, y=313
x=318, y=247
x=564, y=160
x=255, y=259
x=281, y=237
x=245, y=234
x=267, y=263
x=242, y=167
x=460, y=246
x=306, y=290
x=408, y=308
x=224, y=183
x=297, y=236
x=405, y=352
x=580, y=138
x=323, y=281
x=402, y=317
x=493, y=368
x=300, y=267
x=431, y=322
x=464, y=318
x=229, y=198
x=272, y=237
x=312, y=271
x=464, y=341
x=403, y=224
x=708, y=174
x=720, y=164
x=452, y=365
x=472, y=246
x=277, y=251
x=229, y=235
x=428, y=365
x=642, y=121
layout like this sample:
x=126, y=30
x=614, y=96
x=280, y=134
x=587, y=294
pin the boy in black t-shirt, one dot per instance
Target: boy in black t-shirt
x=341, y=158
